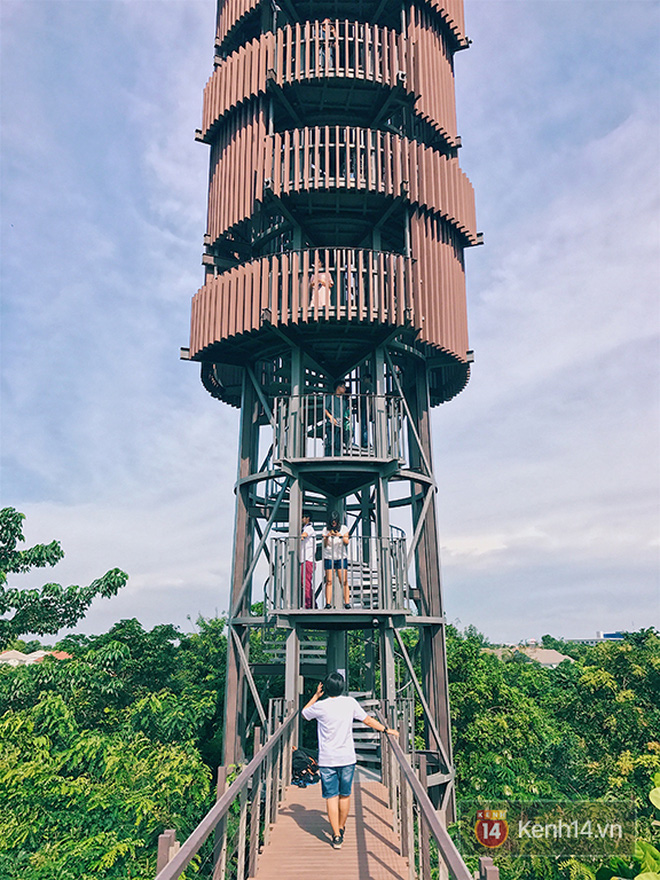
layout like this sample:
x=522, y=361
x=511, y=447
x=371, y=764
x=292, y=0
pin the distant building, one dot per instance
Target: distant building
x=600, y=637
x=547, y=657
x=18, y=658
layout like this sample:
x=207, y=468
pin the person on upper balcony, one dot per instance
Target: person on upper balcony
x=321, y=284
x=337, y=420
x=335, y=557
x=327, y=35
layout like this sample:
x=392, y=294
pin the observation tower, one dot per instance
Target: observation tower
x=338, y=218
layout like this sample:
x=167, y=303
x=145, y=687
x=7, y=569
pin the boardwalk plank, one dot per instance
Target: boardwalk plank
x=299, y=847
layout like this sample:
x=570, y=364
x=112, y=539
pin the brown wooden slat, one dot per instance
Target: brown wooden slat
x=230, y=13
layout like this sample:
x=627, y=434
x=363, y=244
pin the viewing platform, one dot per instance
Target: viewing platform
x=370, y=427
x=335, y=302
x=358, y=435
x=376, y=571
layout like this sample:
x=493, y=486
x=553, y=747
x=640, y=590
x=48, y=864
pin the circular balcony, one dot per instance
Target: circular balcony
x=377, y=578
x=352, y=427
x=239, y=20
x=305, y=166
x=306, y=68
x=364, y=290
x=362, y=294
x=337, y=442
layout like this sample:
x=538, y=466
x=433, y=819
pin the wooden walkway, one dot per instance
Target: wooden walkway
x=300, y=842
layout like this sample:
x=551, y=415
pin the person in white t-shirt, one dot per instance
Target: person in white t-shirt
x=307, y=553
x=335, y=557
x=335, y=716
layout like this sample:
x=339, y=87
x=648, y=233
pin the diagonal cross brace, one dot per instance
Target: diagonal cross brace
x=248, y=674
x=260, y=533
x=429, y=472
x=420, y=522
x=260, y=395
x=260, y=547
x=422, y=698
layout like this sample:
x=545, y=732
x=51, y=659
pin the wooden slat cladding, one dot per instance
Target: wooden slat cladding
x=345, y=285
x=307, y=51
x=237, y=79
x=330, y=157
x=438, y=282
x=230, y=12
x=346, y=49
x=237, y=170
x=299, y=286
x=340, y=157
x=423, y=290
x=453, y=14
x=431, y=73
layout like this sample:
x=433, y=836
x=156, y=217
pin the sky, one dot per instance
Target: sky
x=547, y=463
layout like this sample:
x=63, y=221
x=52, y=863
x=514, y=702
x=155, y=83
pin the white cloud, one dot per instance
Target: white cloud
x=547, y=462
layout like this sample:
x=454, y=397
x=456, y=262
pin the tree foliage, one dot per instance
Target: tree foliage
x=84, y=804
x=100, y=753
x=51, y=607
x=587, y=730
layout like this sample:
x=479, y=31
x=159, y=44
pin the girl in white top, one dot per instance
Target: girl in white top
x=335, y=557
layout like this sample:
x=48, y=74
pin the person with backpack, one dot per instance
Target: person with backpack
x=334, y=716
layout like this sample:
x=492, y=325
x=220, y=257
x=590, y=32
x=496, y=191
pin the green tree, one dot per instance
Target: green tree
x=100, y=753
x=87, y=804
x=51, y=607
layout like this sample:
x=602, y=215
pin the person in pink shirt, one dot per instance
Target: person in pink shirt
x=307, y=554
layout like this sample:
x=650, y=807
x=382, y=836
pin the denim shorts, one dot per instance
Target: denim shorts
x=336, y=780
x=329, y=564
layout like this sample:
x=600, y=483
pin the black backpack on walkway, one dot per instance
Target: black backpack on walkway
x=304, y=768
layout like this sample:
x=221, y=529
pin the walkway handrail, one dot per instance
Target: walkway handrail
x=446, y=847
x=200, y=835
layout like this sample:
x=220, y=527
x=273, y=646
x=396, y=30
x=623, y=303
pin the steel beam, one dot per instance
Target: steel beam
x=243, y=540
x=248, y=675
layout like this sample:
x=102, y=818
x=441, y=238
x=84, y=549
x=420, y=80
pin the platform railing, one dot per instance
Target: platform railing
x=417, y=821
x=325, y=425
x=376, y=570
x=227, y=841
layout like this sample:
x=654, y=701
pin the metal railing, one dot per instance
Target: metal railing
x=417, y=821
x=376, y=570
x=312, y=646
x=349, y=425
x=245, y=812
